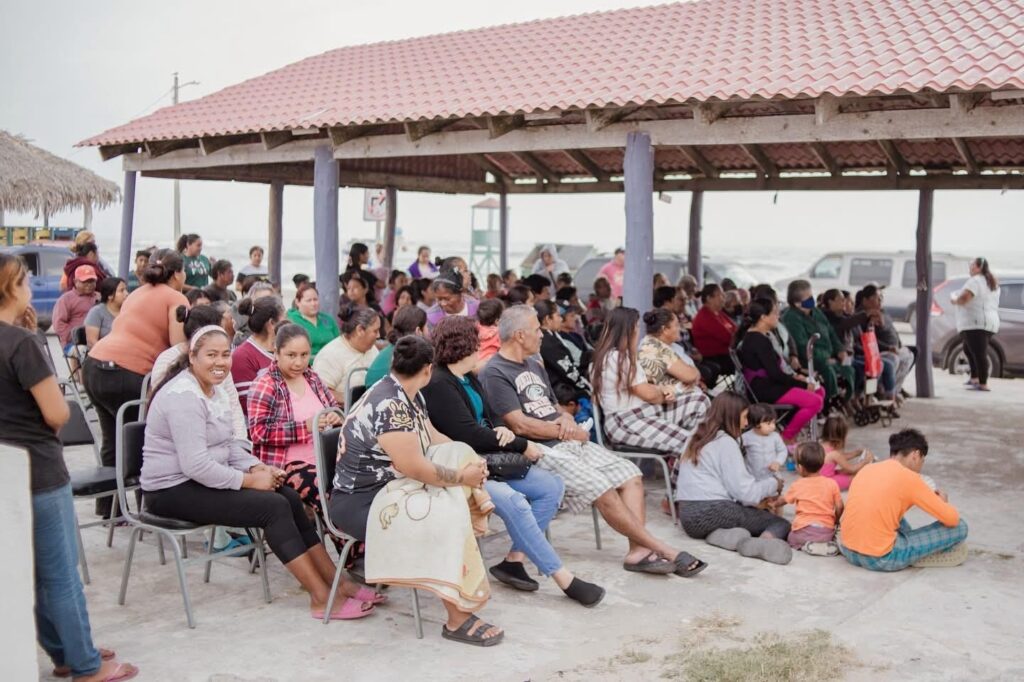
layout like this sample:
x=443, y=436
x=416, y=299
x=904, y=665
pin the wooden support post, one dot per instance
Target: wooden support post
x=46, y=217
x=638, y=170
x=275, y=231
x=124, y=260
x=694, y=257
x=503, y=231
x=923, y=368
x=87, y=216
x=325, y=227
x=390, y=226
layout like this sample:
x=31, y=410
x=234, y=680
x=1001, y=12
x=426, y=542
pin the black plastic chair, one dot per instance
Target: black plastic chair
x=783, y=411
x=130, y=440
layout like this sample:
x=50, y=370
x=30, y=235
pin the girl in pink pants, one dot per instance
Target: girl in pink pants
x=808, y=405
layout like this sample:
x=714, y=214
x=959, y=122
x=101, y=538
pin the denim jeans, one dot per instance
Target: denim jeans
x=527, y=506
x=62, y=621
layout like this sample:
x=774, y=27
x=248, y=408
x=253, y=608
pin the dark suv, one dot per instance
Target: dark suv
x=46, y=265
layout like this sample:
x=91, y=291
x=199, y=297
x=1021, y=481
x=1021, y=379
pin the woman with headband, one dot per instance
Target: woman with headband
x=450, y=296
x=977, y=320
x=193, y=469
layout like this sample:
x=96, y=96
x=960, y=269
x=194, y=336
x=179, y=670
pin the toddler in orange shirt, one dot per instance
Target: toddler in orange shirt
x=818, y=503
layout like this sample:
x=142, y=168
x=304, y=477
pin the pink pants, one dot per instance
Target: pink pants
x=808, y=404
x=797, y=538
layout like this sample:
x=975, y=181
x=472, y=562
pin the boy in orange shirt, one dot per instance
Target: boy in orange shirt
x=874, y=534
x=818, y=503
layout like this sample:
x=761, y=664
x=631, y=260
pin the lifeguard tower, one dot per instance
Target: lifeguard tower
x=485, y=238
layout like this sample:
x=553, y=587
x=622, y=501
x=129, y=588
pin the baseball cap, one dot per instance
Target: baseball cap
x=85, y=272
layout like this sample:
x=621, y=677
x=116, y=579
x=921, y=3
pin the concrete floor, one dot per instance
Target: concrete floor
x=920, y=624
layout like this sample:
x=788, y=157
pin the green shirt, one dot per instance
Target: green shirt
x=380, y=367
x=197, y=271
x=802, y=327
x=322, y=333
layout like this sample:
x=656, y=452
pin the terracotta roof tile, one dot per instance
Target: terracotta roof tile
x=704, y=50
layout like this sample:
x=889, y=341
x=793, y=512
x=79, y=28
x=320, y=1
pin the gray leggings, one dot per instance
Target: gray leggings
x=700, y=517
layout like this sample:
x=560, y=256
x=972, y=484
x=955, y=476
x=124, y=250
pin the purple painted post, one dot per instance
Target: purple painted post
x=638, y=169
x=275, y=231
x=390, y=227
x=923, y=367
x=124, y=259
x=325, y=227
x=694, y=257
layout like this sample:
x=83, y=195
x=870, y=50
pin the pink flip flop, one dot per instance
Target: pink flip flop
x=122, y=672
x=365, y=594
x=352, y=609
x=65, y=671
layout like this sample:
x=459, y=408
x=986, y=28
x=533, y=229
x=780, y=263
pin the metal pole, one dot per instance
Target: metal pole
x=503, y=231
x=694, y=257
x=638, y=169
x=87, y=216
x=325, y=227
x=124, y=261
x=275, y=231
x=177, y=184
x=390, y=227
x=923, y=368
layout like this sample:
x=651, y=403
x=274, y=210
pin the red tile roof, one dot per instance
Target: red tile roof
x=690, y=51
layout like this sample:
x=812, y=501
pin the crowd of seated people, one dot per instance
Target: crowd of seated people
x=482, y=400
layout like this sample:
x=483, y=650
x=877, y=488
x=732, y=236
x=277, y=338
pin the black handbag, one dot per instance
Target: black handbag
x=507, y=466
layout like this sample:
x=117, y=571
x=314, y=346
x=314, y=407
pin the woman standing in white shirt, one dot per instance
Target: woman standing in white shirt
x=977, y=319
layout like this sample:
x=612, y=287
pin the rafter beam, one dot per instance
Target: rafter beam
x=761, y=160
x=341, y=134
x=706, y=113
x=965, y=153
x=537, y=166
x=111, y=151
x=826, y=108
x=499, y=173
x=896, y=161
x=502, y=125
x=963, y=103
x=158, y=148
x=417, y=130
x=699, y=160
x=599, y=119
x=588, y=164
x=826, y=159
x=275, y=138
x=209, y=145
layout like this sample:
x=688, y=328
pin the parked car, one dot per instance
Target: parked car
x=896, y=270
x=672, y=266
x=45, y=265
x=1005, y=353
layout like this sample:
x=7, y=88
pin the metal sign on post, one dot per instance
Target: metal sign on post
x=375, y=205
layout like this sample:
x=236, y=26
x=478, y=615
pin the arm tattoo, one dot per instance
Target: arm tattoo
x=446, y=475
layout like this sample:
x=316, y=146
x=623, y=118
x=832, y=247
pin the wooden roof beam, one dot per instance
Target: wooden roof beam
x=275, y=138
x=110, y=151
x=160, y=147
x=965, y=153
x=417, y=130
x=897, y=163
x=698, y=160
x=482, y=160
x=963, y=103
x=588, y=164
x=826, y=108
x=599, y=119
x=706, y=113
x=209, y=145
x=537, y=166
x=826, y=159
x=501, y=125
x=764, y=164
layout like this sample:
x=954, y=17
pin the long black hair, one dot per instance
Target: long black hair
x=725, y=414
x=990, y=279
x=186, y=240
x=261, y=312
x=356, y=253
x=617, y=335
x=755, y=311
x=108, y=287
x=163, y=265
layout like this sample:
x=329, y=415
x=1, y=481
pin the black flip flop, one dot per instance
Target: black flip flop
x=688, y=565
x=652, y=563
x=461, y=634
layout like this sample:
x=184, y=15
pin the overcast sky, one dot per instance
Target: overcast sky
x=71, y=69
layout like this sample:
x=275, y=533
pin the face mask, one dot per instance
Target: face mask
x=807, y=303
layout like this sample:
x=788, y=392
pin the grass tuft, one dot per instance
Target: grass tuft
x=801, y=657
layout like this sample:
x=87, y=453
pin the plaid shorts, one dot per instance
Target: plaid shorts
x=661, y=428
x=587, y=469
x=912, y=545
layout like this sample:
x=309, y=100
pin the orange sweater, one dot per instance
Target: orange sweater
x=879, y=496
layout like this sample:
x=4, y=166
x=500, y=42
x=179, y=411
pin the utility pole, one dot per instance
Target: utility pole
x=177, y=184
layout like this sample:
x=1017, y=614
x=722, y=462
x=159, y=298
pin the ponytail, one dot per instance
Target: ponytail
x=990, y=279
x=757, y=309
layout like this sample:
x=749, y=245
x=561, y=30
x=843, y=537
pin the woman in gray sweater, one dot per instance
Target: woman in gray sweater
x=716, y=494
x=193, y=469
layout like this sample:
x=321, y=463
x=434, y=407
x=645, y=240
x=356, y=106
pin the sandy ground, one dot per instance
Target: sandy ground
x=920, y=624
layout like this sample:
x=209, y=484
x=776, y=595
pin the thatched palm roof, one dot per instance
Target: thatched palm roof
x=34, y=180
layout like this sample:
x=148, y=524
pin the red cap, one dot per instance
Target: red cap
x=85, y=272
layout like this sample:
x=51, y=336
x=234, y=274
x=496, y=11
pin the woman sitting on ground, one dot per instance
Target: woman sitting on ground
x=356, y=347
x=194, y=470
x=263, y=316
x=841, y=465
x=408, y=321
x=525, y=497
x=638, y=413
x=762, y=369
x=562, y=368
x=712, y=332
x=100, y=318
x=403, y=488
x=663, y=364
x=321, y=327
x=716, y=494
x=450, y=296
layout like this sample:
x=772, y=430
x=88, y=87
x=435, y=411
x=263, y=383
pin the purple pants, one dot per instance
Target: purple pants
x=797, y=538
x=808, y=405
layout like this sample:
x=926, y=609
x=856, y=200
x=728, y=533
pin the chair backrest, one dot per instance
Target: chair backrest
x=599, y=423
x=41, y=335
x=78, y=336
x=739, y=384
x=144, y=394
x=130, y=439
x=325, y=454
x=350, y=396
x=77, y=430
x=810, y=353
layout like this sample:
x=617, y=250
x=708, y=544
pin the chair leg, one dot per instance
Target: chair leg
x=597, y=526
x=261, y=557
x=180, y=564
x=333, y=594
x=82, y=563
x=668, y=488
x=184, y=546
x=160, y=549
x=209, y=551
x=115, y=512
x=129, y=555
x=416, y=617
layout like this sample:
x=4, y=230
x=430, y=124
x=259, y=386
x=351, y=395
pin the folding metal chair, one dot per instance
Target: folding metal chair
x=353, y=393
x=325, y=452
x=144, y=395
x=810, y=372
x=633, y=452
x=130, y=439
x=782, y=410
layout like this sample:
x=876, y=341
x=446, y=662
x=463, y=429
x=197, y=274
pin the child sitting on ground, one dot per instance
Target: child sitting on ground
x=841, y=465
x=487, y=316
x=818, y=504
x=762, y=445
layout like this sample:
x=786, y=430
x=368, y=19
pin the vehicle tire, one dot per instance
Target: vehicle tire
x=956, y=361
